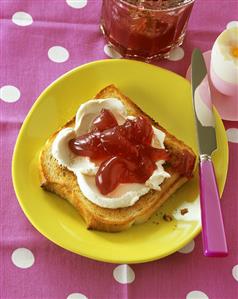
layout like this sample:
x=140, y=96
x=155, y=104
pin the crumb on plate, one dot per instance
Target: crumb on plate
x=184, y=211
x=167, y=217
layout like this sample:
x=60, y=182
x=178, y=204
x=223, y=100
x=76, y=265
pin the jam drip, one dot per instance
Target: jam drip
x=124, y=151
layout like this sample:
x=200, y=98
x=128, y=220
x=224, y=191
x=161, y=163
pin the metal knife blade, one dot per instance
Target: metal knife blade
x=203, y=108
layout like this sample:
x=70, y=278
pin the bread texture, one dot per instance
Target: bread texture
x=61, y=181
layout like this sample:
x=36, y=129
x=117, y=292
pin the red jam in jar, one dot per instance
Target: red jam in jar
x=124, y=151
x=146, y=29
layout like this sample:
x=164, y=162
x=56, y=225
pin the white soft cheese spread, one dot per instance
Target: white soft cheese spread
x=124, y=195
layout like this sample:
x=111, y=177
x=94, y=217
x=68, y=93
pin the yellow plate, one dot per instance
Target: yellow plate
x=160, y=93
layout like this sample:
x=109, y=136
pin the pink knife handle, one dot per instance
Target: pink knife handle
x=213, y=233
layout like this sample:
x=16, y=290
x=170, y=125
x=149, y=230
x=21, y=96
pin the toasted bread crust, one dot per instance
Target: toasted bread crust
x=63, y=182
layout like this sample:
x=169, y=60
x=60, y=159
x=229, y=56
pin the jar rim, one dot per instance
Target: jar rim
x=157, y=9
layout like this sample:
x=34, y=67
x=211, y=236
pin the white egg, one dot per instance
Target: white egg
x=224, y=62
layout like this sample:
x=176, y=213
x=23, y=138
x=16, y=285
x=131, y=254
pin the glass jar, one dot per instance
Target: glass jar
x=145, y=29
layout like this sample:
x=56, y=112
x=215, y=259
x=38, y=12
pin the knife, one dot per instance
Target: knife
x=213, y=233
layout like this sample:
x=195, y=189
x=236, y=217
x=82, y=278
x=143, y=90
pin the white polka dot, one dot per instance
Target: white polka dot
x=22, y=18
x=124, y=274
x=232, y=24
x=232, y=135
x=9, y=93
x=77, y=3
x=235, y=272
x=58, y=54
x=188, y=248
x=196, y=295
x=109, y=51
x=23, y=258
x=76, y=296
x=176, y=54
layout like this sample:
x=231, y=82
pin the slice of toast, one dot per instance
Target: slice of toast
x=63, y=182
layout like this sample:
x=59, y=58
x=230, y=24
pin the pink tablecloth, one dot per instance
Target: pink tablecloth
x=33, y=267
